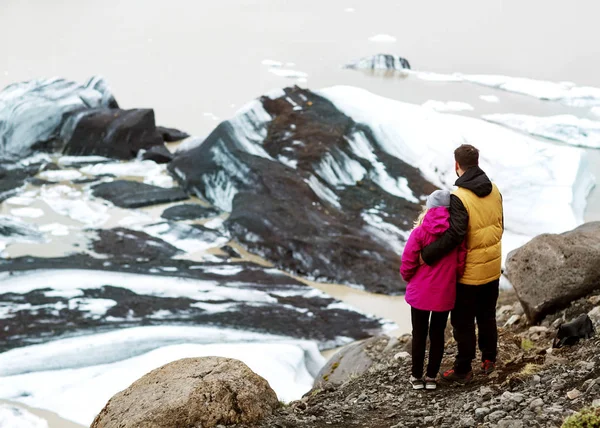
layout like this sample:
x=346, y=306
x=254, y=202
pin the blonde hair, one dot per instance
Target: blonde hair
x=419, y=220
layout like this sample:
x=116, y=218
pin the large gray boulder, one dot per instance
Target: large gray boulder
x=551, y=271
x=357, y=358
x=192, y=392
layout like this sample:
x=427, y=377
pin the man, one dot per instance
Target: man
x=476, y=217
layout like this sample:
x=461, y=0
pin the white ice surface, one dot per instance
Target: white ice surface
x=56, y=375
x=271, y=63
x=382, y=38
x=135, y=168
x=443, y=106
x=27, y=212
x=565, y=128
x=66, y=161
x=16, y=417
x=543, y=178
x=75, y=205
x=565, y=92
x=60, y=175
x=490, y=98
x=286, y=72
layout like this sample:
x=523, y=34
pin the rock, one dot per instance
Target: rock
x=191, y=392
x=113, y=133
x=594, y=315
x=594, y=300
x=170, y=135
x=132, y=194
x=131, y=244
x=31, y=113
x=189, y=212
x=571, y=332
x=482, y=412
x=467, y=422
x=551, y=271
x=14, y=230
x=514, y=319
x=242, y=296
x=302, y=195
x=13, y=177
x=380, y=62
x=158, y=154
x=231, y=252
x=510, y=423
x=356, y=359
x=402, y=355
x=537, y=403
x=596, y=402
x=496, y=416
x=574, y=394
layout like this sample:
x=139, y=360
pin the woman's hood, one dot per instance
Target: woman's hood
x=437, y=220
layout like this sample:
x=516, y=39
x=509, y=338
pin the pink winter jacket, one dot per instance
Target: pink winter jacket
x=431, y=288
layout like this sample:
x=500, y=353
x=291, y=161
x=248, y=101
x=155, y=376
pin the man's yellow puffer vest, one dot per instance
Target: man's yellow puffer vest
x=484, y=235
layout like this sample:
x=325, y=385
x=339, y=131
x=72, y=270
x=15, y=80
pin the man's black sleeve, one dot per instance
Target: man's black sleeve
x=453, y=237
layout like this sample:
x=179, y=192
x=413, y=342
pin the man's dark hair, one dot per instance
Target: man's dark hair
x=466, y=156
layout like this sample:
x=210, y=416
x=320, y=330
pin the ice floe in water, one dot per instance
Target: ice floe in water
x=543, y=178
x=75, y=204
x=27, y=212
x=490, y=98
x=565, y=128
x=447, y=106
x=60, y=175
x=382, y=38
x=126, y=169
x=288, y=73
x=15, y=417
x=57, y=374
x=271, y=63
x=565, y=92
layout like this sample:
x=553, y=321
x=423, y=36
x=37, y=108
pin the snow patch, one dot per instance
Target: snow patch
x=15, y=417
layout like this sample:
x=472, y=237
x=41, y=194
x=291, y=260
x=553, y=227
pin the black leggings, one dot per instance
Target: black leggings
x=421, y=328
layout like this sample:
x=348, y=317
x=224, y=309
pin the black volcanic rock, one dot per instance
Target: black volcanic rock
x=112, y=133
x=13, y=177
x=302, y=192
x=170, y=135
x=279, y=304
x=158, y=154
x=132, y=194
x=131, y=244
x=189, y=212
x=33, y=112
x=231, y=252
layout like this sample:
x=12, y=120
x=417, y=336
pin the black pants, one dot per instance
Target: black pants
x=421, y=328
x=475, y=302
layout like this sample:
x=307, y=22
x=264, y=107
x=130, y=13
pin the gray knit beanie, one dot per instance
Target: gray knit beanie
x=439, y=198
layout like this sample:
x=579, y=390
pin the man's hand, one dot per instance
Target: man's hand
x=421, y=261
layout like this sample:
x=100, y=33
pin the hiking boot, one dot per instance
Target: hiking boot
x=430, y=383
x=417, y=383
x=451, y=376
x=487, y=367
